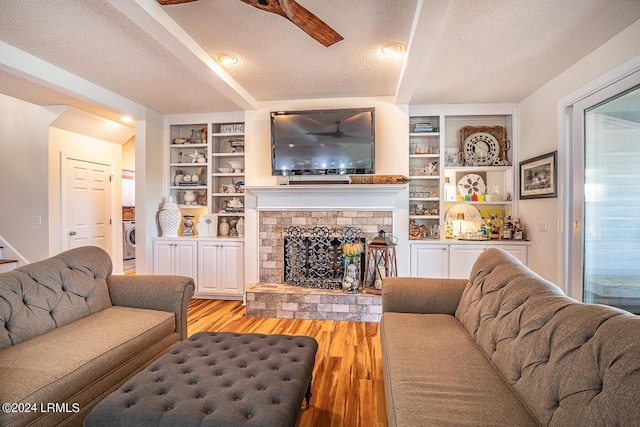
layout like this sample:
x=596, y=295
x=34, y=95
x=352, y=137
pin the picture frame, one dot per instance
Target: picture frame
x=539, y=177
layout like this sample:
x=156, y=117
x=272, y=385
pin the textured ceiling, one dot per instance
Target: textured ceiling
x=162, y=57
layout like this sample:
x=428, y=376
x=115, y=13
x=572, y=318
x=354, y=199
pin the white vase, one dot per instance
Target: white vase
x=240, y=227
x=189, y=198
x=170, y=218
x=224, y=227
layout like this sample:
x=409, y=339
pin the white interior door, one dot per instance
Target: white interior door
x=86, y=201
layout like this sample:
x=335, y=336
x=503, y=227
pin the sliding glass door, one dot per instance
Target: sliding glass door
x=608, y=196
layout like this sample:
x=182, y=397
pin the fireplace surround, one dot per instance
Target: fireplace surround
x=369, y=208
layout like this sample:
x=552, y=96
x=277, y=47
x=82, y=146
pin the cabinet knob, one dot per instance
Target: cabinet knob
x=72, y=233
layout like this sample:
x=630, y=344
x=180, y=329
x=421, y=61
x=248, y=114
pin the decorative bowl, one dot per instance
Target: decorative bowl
x=236, y=165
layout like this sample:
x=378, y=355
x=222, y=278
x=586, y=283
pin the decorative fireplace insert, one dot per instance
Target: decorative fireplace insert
x=313, y=255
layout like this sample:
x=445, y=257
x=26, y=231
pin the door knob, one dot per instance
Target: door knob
x=72, y=233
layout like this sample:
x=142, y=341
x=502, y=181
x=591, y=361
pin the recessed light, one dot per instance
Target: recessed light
x=227, y=59
x=393, y=49
x=126, y=119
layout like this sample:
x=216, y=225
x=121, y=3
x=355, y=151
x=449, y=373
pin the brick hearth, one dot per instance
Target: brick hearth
x=293, y=302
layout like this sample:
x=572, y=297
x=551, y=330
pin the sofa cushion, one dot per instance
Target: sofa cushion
x=54, y=366
x=435, y=375
x=570, y=363
x=41, y=296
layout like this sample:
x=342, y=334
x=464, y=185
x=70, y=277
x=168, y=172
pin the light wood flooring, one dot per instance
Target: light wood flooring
x=348, y=389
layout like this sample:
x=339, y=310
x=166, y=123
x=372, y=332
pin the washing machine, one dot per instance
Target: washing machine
x=129, y=239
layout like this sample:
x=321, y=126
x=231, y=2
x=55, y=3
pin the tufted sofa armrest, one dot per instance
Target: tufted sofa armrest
x=422, y=295
x=166, y=293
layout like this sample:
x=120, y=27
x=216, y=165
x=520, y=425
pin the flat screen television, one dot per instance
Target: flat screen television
x=323, y=142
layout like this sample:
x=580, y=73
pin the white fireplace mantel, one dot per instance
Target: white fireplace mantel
x=325, y=197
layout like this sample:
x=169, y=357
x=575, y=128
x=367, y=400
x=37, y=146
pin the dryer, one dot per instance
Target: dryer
x=129, y=239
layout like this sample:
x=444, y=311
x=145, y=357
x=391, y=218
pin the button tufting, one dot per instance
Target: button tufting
x=249, y=416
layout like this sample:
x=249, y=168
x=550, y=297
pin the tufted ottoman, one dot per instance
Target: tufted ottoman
x=216, y=379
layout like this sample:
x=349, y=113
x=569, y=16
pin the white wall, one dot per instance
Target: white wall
x=392, y=130
x=24, y=164
x=539, y=134
x=129, y=155
x=151, y=172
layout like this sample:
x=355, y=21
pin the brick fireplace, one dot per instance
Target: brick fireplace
x=368, y=207
x=273, y=224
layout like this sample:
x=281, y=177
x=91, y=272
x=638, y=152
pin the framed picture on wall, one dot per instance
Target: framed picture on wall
x=539, y=177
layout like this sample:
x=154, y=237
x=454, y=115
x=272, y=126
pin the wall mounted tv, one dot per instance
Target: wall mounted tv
x=323, y=142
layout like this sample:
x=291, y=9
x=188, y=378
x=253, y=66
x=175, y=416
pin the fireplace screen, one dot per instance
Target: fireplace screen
x=313, y=255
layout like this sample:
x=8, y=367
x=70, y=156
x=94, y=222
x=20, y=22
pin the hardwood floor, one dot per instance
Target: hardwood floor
x=348, y=389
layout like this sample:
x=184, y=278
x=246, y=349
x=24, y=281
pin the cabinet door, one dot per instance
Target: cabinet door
x=231, y=268
x=185, y=259
x=163, y=257
x=462, y=259
x=128, y=192
x=208, y=266
x=430, y=261
x=220, y=268
x=520, y=252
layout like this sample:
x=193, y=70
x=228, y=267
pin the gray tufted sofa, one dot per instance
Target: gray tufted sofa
x=505, y=348
x=71, y=333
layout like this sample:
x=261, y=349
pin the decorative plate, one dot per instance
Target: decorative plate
x=471, y=183
x=481, y=149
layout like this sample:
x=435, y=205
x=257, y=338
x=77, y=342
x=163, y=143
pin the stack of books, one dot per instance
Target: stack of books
x=423, y=127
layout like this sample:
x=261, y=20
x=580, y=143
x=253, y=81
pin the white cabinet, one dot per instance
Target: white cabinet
x=128, y=192
x=220, y=269
x=216, y=265
x=174, y=257
x=454, y=259
x=462, y=257
x=430, y=261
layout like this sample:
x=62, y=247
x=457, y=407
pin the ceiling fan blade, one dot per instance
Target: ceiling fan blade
x=301, y=17
x=310, y=23
x=168, y=2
